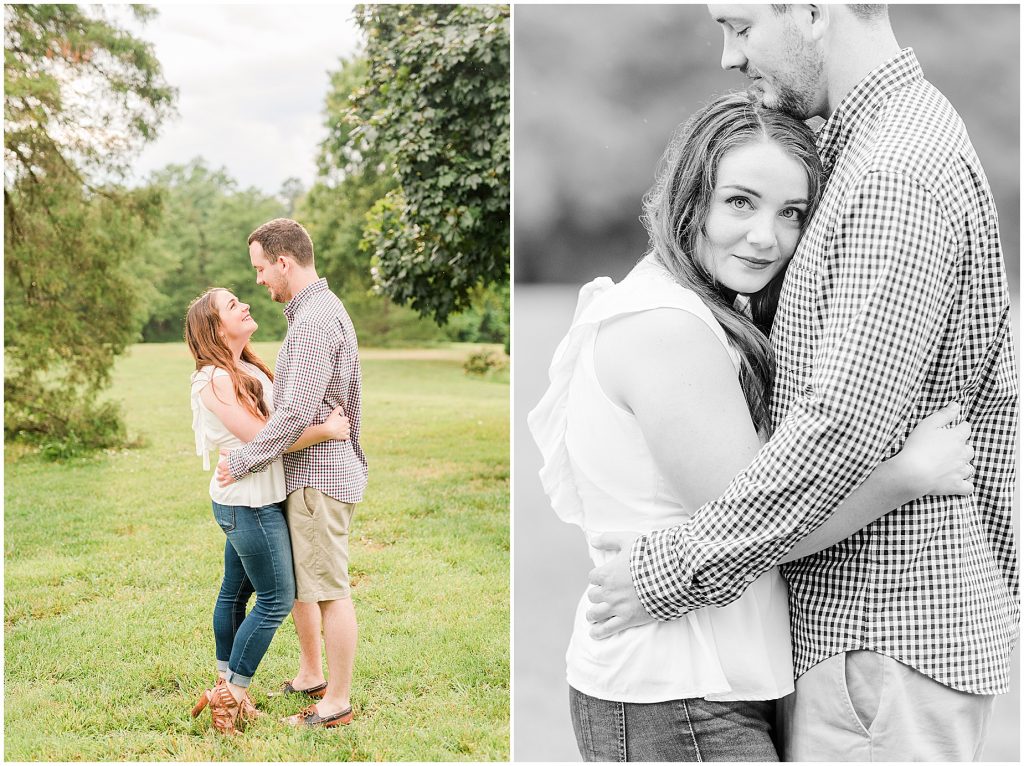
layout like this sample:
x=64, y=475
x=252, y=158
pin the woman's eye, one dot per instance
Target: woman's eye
x=740, y=203
x=792, y=214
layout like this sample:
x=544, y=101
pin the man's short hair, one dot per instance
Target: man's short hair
x=863, y=11
x=283, y=236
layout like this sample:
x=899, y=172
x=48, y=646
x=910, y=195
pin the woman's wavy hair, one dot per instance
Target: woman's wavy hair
x=676, y=210
x=202, y=334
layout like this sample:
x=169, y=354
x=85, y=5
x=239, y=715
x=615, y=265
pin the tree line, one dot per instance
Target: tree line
x=409, y=211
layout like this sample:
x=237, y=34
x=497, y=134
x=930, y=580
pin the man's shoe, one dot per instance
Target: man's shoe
x=286, y=690
x=309, y=716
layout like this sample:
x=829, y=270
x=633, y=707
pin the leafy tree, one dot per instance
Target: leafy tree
x=201, y=244
x=334, y=211
x=80, y=94
x=436, y=106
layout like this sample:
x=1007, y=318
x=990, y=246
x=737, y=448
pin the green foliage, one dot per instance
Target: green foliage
x=334, y=211
x=79, y=94
x=120, y=550
x=485, y=321
x=436, y=106
x=484, y=361
x=201, y=243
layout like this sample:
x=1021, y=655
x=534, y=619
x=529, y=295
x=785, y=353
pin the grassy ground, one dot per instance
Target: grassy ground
x=112, y=563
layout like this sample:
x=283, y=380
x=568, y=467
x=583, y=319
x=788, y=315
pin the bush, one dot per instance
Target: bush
x=484, y=361
x=62, y=425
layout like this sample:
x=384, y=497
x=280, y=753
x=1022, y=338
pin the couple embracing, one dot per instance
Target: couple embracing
x=290, y=474
x=811, y=367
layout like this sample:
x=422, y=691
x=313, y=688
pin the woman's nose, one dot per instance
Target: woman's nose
x=761, y=233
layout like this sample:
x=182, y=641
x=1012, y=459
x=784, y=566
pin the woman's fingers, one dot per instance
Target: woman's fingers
x=943, y=417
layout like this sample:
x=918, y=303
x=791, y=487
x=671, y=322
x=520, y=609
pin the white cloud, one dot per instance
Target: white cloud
x=251, y=84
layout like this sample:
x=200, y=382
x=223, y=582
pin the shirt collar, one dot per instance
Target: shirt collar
x=861, y=103
x=303, y=295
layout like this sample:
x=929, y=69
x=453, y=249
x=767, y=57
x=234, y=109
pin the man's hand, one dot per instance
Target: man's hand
x=224, y=477
x=616, y=605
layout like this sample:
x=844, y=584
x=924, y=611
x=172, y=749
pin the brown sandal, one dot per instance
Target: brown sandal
x=204, y=700
x=247, y=709
x=224, y=709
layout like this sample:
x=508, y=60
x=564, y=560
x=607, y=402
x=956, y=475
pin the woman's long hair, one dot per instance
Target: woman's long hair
x=676, y=210
x=202, y=334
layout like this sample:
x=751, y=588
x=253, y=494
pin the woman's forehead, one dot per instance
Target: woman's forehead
x=221, y=298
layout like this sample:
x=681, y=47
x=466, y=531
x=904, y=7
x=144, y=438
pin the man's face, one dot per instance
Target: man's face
x=785, y=67
x=268, y=274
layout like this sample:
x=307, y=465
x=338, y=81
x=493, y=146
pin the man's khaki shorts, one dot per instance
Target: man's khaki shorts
x=319, y=528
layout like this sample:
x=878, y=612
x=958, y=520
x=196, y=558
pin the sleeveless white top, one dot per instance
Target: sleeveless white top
x=255, y=489
x=599, y=474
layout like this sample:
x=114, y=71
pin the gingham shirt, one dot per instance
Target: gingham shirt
x=317, y=369
x=895, y=304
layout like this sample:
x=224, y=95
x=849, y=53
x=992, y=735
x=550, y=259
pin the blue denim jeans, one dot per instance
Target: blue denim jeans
x=257, y=559
x=679, y=730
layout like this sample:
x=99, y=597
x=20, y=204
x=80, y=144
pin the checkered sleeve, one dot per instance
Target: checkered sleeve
x=310, y=363
x=884, y=289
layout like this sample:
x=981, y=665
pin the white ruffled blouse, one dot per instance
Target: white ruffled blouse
x=254, y=490
x=600, y=475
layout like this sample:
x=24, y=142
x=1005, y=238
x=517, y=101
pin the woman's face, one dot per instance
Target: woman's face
x=757, y=208
x=235, y=322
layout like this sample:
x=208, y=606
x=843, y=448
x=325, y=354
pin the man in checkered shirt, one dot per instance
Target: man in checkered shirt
x=895, y=304
x=317, y=369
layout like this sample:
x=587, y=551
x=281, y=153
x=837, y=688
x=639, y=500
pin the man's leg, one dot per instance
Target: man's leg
x=863, y=706
x=340, y=636
x=320, y=527
x=307, y=627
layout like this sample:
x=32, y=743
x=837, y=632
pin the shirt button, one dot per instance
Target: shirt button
x=750, y=578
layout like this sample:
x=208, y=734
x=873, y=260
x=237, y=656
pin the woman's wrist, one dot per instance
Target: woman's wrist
x=907, y=477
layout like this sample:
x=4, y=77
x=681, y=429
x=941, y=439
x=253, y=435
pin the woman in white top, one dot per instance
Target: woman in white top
x=232, y=395
x=659, y=396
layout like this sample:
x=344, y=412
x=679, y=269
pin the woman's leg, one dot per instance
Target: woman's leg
x=235, y=590
x=260, y=539
x=678, y=730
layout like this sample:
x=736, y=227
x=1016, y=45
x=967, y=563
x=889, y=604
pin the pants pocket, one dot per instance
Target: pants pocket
x=224, y=515
x=864, y=673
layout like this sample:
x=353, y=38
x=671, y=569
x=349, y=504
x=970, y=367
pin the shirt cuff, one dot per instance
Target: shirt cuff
x=656, y=577
x=236, y=465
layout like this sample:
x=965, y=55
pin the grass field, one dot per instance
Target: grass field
x=112, y=563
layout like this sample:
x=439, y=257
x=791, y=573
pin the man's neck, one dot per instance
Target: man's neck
x=301, y=280
x=855, y=58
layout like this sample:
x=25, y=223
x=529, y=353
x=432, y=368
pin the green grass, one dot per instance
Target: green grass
x=112, y=563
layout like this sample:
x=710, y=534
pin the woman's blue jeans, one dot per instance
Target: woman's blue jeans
x=257, y=559
x=678, y=730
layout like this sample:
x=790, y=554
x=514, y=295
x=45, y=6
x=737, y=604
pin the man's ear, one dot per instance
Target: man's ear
x=820, y=18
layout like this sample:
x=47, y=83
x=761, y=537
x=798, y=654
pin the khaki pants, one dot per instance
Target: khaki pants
x=864, y=706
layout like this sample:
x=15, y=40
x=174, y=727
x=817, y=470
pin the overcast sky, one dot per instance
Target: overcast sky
x=251, y=83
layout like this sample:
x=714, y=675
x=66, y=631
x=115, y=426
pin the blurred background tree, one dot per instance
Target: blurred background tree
x=411, y=203
x=435, y=108
x=80, y=95
x=201, y=243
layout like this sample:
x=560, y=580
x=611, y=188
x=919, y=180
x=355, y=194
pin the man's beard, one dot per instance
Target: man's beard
x=783, y=98
x=795, y=94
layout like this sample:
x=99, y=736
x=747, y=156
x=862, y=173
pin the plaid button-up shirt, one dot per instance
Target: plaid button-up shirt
x=895, y=304
x=317, y=370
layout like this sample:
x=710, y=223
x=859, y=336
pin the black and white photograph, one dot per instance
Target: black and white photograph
x=766, y=311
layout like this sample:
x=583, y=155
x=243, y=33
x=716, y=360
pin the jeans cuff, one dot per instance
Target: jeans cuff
x=237, y=679
x=222, y=666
